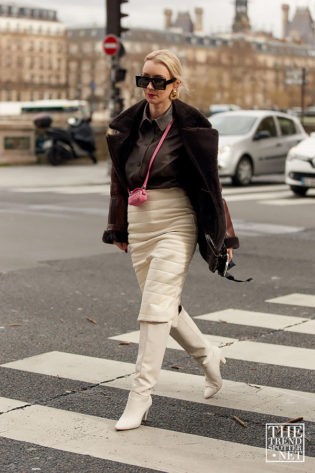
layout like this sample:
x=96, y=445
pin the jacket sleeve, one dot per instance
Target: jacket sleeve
x=117, y=226
x=230, y=239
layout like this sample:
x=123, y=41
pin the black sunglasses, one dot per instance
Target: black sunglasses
x=159, y=83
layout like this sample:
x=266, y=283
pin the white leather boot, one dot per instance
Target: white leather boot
x=188, y=335
x=152, y=345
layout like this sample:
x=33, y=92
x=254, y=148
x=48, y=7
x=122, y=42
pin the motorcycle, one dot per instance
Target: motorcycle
x=61, y=145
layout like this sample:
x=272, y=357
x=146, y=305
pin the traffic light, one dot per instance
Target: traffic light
x=120, y=75
x=114, y=16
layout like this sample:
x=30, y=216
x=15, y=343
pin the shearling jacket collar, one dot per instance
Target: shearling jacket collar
x=185, y=115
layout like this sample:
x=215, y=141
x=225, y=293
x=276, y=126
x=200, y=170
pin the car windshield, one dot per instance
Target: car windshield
x=232, y=124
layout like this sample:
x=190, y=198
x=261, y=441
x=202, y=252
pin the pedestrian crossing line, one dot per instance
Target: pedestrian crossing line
x=304, y=300
x=292, y=201
x=280, y=355
x=261, y=319
x=254, y=189
x=92, y=189
x=7, y=404
x=146, y=447
x=242, y=226
x=173, y=384
x=257, y=196
x=76, y=367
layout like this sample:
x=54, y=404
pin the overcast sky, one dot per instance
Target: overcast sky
x=218, y=14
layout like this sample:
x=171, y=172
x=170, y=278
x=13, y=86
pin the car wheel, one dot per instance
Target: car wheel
x=243, y=173
x=300, y=191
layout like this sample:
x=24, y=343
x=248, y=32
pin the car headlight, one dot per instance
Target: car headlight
x=224, y=153
x=292, y=154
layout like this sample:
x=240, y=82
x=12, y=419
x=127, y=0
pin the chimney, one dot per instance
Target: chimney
x=198, y=27
x=168, y=18
x=285, y=20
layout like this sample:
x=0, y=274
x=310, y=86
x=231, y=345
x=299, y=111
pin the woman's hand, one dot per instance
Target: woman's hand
x=121, y=246
x=230, y=253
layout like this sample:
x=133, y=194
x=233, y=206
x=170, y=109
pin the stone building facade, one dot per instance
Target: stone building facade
x=40, y=59
x=245, y=69
x=33, y=54
x=88, y=68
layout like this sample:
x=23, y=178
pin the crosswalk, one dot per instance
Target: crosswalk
x=276, y=195
x=172, y=449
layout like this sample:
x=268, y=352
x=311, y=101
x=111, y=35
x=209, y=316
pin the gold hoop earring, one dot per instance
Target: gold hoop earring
x=174, y=94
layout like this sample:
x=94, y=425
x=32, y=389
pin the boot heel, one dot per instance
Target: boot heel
x=145, y=415
x=223, y=360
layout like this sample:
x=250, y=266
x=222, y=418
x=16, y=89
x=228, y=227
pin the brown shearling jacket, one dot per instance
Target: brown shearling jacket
x=202, y=184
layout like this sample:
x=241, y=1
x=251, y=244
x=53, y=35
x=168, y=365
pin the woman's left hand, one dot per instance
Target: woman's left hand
x=230, y=253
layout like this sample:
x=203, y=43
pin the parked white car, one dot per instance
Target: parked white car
x=254, y=142
x=300, y=166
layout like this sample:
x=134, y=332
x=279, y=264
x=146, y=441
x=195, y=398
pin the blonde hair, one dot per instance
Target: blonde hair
x=171, y=61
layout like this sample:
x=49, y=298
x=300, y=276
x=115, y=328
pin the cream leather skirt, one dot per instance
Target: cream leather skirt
x=162, y=241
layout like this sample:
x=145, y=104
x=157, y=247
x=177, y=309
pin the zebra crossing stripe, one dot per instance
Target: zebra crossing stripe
x=258, y=196
x=281, y=355
x=285, y=202
x=252, y=189
x=146, y=447
x=81, y=189
x=173, y=384
x=304, y=300
x=261, y=319
x=264, y=228
x=7, y=404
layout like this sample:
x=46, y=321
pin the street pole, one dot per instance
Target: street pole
x=114, y=27
x=303, y=83
x=115, y=91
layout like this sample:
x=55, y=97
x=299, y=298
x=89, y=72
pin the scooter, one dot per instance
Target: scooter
x=61, y=145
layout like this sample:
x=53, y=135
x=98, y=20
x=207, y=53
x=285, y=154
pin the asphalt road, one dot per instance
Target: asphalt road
x=66, y=294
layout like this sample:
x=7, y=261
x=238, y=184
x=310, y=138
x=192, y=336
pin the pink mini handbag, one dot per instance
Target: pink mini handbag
x=139, y=195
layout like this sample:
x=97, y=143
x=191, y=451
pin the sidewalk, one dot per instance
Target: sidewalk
x=47, y=176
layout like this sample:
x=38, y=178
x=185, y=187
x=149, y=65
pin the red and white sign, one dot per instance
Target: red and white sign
x=111, y=44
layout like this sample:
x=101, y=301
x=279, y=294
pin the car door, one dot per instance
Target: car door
x=290, y=136
x=267, y=150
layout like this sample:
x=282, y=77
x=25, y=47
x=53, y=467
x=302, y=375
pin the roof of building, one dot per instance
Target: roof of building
x=16, y=10
x=260, y=43
x=184, y=22
x=302, y=25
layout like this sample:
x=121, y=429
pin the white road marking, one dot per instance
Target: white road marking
x=254, y=189
x=261, y=319
x=146, y=447
x=7, y=404
x=173, y=384
x=287, y=202
x=93, y=189
x=280, y=355
x=258, y=196
x=264, y=228
x=78, y=367
x=304, y=300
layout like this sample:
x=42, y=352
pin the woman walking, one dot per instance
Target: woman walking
x=183, y=206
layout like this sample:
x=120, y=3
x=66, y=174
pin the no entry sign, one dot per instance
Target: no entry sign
x=111, y=44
